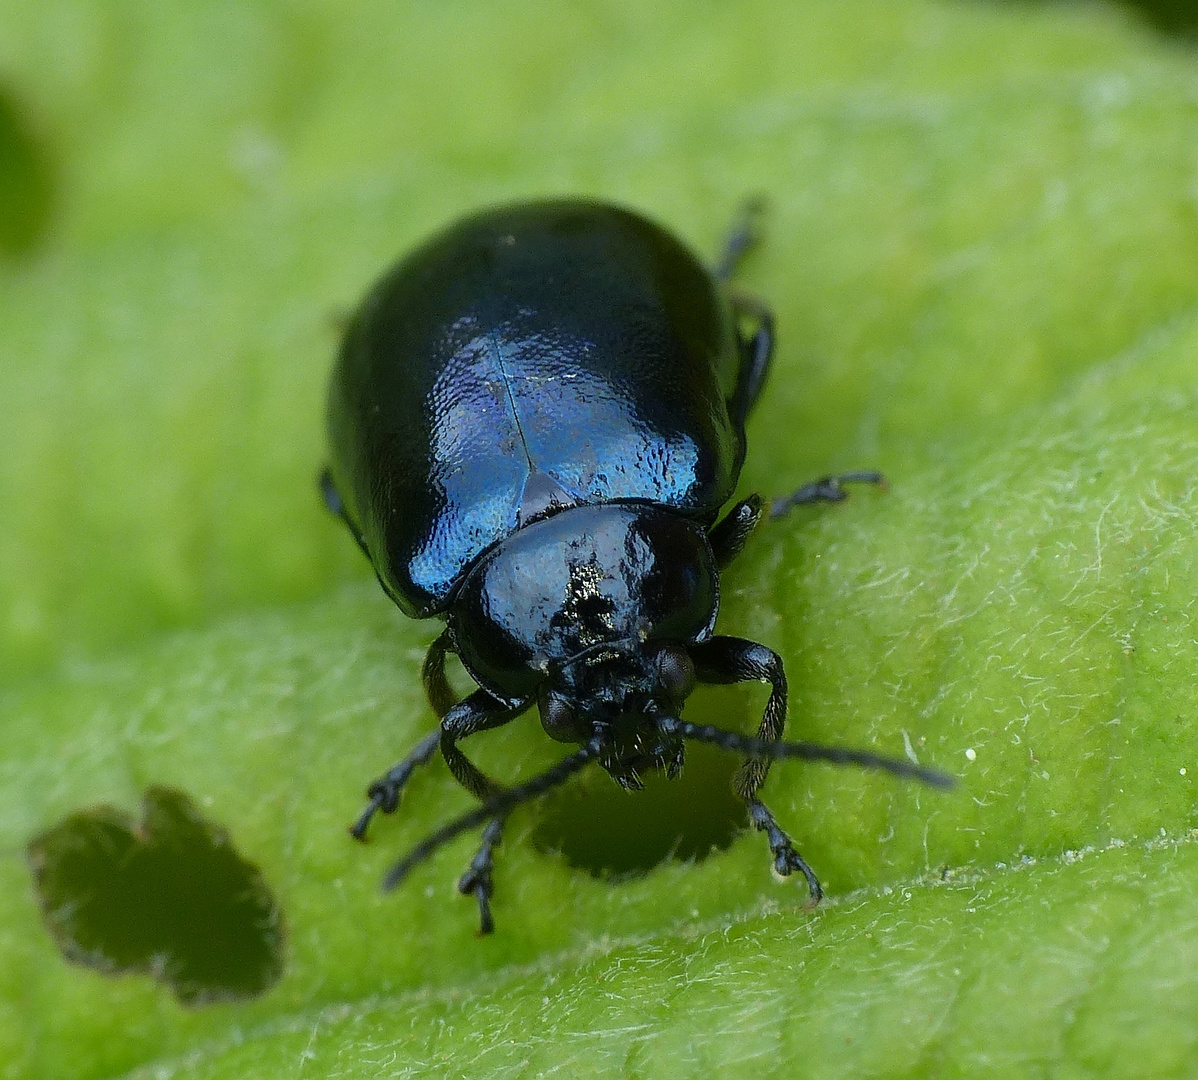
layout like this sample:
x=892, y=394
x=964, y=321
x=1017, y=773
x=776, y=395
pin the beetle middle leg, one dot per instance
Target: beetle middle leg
x=478, y=712
x=733, y=660
x=729, y=535
x=825, y=489
x=384, y=793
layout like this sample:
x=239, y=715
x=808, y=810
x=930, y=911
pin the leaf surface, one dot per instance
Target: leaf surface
x=983, y=251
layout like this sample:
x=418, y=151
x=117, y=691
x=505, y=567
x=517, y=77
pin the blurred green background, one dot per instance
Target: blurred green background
x=982, y=247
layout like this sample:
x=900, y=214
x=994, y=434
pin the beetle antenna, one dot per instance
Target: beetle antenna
x=837, y=755
x=498, y=805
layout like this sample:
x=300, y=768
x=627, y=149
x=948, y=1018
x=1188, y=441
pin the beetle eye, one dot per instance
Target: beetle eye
x=557, y=717
x=675, y=672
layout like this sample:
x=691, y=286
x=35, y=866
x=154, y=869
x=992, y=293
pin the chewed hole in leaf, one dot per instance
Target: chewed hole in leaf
x=25, y=183
x=169, y=896
x=598, y=826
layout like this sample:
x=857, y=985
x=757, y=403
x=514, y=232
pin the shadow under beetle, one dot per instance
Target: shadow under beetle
x=534, y=422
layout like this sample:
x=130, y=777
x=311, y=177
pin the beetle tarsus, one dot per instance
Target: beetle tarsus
x=743, y=238
x=330, y=494
x=499, y=804
x=786, y=859
x=384, y=794
x=825, y=489
x=358, y=829
x=478, y=879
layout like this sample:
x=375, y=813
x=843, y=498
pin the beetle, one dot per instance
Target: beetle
x=534, y=422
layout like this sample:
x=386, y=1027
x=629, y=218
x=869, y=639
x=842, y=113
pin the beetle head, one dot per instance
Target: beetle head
x=617, y=691
x=590, y=609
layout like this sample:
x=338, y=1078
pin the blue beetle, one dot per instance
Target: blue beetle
x=534, y=423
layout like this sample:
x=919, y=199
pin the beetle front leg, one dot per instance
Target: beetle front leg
x=733, y=660
x=479, y=712
x=786, y=859
x=826, y=489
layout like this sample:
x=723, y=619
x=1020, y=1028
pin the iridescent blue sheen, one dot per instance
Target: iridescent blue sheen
x=527, y=359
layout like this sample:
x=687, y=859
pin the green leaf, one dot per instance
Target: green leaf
x=983, y=252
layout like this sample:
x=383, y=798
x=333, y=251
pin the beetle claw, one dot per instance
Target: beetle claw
x=478, y=878
x=479, y=882
x=387, y=796
x=358, y=829
x=786, y=859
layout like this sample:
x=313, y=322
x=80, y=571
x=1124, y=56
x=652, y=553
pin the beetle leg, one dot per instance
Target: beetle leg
x=741, y=240
x=733, y=660
x=729, y=536
x=477, y=879
x=756, y=353
x=440, y=694
x=384, y=793
x=826, y=489
x=479, y=712
x=332, y=499
x=499, y=805
x=786, y=859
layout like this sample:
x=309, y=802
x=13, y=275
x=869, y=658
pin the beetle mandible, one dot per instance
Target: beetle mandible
x=534, y=422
